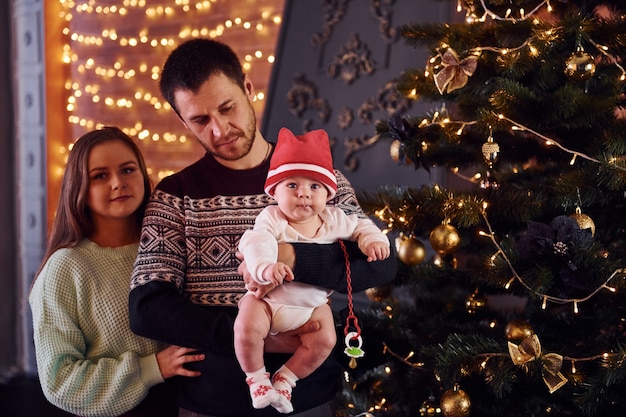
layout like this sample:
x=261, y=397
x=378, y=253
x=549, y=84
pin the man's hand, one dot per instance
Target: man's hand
x=288, y=342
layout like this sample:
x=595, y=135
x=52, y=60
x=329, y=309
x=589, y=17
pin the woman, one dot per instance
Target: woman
x=89, y=361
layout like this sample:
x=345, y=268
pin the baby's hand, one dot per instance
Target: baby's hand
x=377, y=251
x=278, y=272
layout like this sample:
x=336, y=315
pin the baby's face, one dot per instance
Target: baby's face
x=300, y=197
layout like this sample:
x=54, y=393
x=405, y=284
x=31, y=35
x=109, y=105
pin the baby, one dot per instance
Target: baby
x=301, y=179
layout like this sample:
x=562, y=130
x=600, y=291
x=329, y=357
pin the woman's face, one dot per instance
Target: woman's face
x=116, y=185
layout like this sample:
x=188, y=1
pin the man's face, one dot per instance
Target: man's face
x=221, y=116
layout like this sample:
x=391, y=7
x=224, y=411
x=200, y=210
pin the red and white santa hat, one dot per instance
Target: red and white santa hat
x=307, y=155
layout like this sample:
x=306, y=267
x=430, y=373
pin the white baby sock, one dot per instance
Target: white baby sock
x=283, y=381
x=261, y=390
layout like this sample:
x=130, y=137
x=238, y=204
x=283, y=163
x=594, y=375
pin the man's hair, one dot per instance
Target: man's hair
x=193, y=62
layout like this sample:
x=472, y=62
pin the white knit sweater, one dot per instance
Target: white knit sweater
x=89, y=361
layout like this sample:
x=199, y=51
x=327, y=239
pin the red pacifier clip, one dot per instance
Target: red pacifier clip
x=352, y=351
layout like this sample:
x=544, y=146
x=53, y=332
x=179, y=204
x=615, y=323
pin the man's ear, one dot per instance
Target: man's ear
x=249, y=87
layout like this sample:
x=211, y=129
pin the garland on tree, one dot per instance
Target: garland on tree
x=510, y=301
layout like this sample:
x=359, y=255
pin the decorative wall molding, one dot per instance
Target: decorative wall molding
x=336, y=69
x=352, y=61
x=333, y=14
x=30, y=140
x=302, y=97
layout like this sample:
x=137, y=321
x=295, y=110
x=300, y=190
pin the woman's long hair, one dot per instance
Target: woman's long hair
x=72, y=221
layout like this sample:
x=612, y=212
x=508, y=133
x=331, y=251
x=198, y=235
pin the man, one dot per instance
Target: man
x=186, y=282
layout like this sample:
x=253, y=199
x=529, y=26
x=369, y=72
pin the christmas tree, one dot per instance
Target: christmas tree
x=510, y=299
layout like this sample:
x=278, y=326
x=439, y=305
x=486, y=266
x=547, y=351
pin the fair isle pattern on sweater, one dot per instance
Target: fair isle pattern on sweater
x=192, y=242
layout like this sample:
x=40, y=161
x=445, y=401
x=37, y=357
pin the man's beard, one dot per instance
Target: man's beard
x=243, y=149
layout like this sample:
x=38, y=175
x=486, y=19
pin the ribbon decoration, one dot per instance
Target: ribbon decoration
x=455, y=73
x=552, y=376
x=529, y=350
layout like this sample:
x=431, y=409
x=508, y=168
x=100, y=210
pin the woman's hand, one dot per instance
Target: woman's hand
x=172, y=359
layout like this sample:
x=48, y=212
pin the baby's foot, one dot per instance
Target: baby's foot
x=283, y=388
x=262, y=392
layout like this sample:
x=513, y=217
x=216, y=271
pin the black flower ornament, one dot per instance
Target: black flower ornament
x=553, y=246
x=402, y=130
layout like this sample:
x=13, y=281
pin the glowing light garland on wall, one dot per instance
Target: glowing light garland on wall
x=113, y=56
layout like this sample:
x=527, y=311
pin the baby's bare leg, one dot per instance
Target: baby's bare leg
x=251, y=327
x=312, y=352
x=315, y=346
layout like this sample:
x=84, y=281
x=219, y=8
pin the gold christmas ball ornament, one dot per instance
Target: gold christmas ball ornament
x=489, y=182
x=518, y=330
x=445, y=261
x=445, y=239
x=455, y=403
x=411, y=251
x=395, y=151
x=584, y=221
x=378, y=294
x=580, y=66
x=430, y=408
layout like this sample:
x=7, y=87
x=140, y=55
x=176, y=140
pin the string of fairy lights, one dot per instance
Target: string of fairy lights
x=508, y=15
x=95, y=27
x=114, y=54
x=552, y=362
x=396, y=220
x=441, y=118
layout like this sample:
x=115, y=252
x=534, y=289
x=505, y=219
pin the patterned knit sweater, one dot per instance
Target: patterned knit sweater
x=89, y=361
x=185, y=285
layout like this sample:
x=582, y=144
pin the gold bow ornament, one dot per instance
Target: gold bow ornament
x=529, y=350
x=454, y=73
